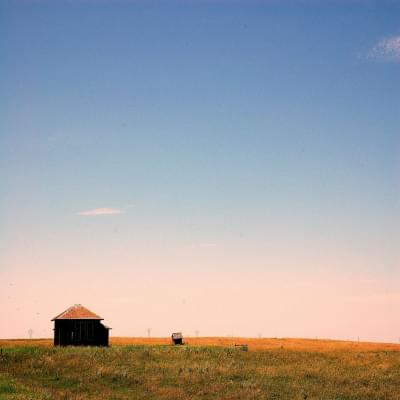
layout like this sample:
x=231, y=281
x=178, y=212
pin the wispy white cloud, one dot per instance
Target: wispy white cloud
x=100, y=211
x=200, y=245
x=386, y=49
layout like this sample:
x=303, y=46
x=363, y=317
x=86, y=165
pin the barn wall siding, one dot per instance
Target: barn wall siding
x=80, y=333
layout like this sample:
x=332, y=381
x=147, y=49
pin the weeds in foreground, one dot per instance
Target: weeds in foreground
x=186, y=372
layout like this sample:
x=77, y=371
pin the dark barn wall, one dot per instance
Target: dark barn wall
x=79, y=332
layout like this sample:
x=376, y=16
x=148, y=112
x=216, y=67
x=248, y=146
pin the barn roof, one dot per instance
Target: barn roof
x=77, y=311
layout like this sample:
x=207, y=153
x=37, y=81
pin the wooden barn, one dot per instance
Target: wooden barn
x=78, y=326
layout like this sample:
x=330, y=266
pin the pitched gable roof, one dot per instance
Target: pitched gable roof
x=77, y=311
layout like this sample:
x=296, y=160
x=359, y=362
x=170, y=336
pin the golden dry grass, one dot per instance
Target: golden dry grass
x=206, y=368
x=253, y=343
x=265, y=343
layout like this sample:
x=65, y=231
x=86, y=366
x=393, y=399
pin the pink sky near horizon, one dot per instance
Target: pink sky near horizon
x=210, y=290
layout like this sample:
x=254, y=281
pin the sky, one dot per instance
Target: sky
x=221, y=168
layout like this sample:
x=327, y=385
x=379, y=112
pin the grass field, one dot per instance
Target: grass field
x=205, y=368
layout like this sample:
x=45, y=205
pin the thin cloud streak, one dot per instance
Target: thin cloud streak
x=100, y=212
x=200, y=245
x=386, y=49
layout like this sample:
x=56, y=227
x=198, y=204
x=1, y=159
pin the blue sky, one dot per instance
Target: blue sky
x=218, y=139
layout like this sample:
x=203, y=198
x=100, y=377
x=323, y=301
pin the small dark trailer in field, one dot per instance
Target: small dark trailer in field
x=177, y=338
x=79, y=326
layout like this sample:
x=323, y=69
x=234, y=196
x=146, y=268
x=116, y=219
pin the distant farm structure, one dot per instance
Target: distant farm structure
x=78, y=326
x=177, y=338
